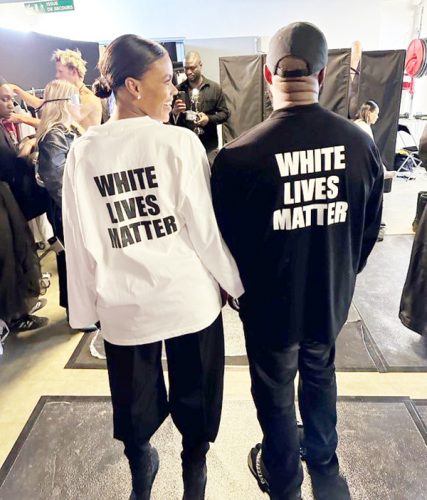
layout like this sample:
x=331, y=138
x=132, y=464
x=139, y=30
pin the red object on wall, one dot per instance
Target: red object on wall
x=409, y=85
x=416, y=58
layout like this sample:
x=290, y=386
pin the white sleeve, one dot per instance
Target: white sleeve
x=80, y=265
x=198, y=213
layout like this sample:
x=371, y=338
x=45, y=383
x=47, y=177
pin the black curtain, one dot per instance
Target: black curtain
x=243, y=85
x=335, y=91
x=380, y=79
x=381, y=76
x=247, y=95
x=25, y=58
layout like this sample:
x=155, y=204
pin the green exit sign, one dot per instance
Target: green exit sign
x=49, y=6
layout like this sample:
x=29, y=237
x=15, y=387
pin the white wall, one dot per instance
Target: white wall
x=211, y=49
x=342, y=21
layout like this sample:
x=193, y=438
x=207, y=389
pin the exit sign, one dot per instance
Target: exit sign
x=49, y=6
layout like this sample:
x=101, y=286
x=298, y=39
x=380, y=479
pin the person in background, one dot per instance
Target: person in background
x=367, y=116
x=144, y=257
x=413, y=310
x=298, y=200
x=55, y=134
x=15, y=168
x=20, y=272
x=20, y=200
x=212, y=109
x=70, y=67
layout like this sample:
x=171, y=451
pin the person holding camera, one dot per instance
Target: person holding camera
x=200, y=104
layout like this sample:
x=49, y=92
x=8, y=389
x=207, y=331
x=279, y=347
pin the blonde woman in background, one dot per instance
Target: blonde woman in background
x=56, y=132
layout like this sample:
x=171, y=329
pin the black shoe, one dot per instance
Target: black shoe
x=257, y=469
x=28, y=322
x=329, y=487
x=143, y=474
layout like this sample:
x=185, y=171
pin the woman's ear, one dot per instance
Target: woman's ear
x=133, y=86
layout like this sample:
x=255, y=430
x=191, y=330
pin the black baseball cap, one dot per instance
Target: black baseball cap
x=302, y=40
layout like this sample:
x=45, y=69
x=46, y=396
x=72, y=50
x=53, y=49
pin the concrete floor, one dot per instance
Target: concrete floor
x=33, y=363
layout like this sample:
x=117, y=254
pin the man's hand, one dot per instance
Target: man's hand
x=26, y=146
x=178, y=107
x=15, y=118
x=203, y=120
x=233, y=303
x=24, y=118
x=15, y=88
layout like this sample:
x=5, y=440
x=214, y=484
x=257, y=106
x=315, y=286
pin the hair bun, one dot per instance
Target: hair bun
x=101, y=88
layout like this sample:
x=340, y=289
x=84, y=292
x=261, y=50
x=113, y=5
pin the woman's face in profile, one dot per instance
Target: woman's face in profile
x=373, y=116
x=157, y=90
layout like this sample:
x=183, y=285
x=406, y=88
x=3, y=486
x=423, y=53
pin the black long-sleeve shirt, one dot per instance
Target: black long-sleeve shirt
x=298, y=200
x=212, y=103
x=18, y=173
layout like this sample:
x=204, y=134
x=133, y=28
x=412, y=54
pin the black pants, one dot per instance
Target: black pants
x=54, y=215
x=196, y=376
x=273, y=370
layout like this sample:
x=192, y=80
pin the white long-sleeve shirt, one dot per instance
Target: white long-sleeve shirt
x=144, y=252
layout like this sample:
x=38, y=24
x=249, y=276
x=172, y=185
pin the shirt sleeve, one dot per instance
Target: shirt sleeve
x=53, y=149
x=80, y=265
x=222, y=113
x=198, y=213
x=373, y=210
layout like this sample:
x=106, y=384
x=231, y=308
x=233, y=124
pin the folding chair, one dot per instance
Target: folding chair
x=407, y=158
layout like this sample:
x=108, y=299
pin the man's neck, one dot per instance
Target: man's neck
x=197, y=83
x=295, y=92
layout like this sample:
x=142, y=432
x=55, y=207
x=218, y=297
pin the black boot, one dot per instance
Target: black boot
x=144, y=464
x=194, y=471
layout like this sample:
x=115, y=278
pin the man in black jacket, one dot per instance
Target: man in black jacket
x=211, y=106
x=298, y=200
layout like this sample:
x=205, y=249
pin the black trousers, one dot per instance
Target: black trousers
x=54, y=215
x=196, y=376
x=273, y=369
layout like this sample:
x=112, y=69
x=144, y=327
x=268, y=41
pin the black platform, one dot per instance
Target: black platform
x=352, y=353
x=66, y=451
x=377, y=298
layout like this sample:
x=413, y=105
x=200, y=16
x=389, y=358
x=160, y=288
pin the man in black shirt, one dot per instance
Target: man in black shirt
x=298, y=200
x=211, y=107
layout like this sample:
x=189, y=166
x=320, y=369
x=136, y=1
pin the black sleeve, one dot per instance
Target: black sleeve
x=221, y=113
x=224, y=198
x=373, y=210
x=7, y=165
x=53, y=151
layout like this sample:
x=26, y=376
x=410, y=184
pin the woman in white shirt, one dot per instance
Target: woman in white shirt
x=144, y=257
x=368, y=115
